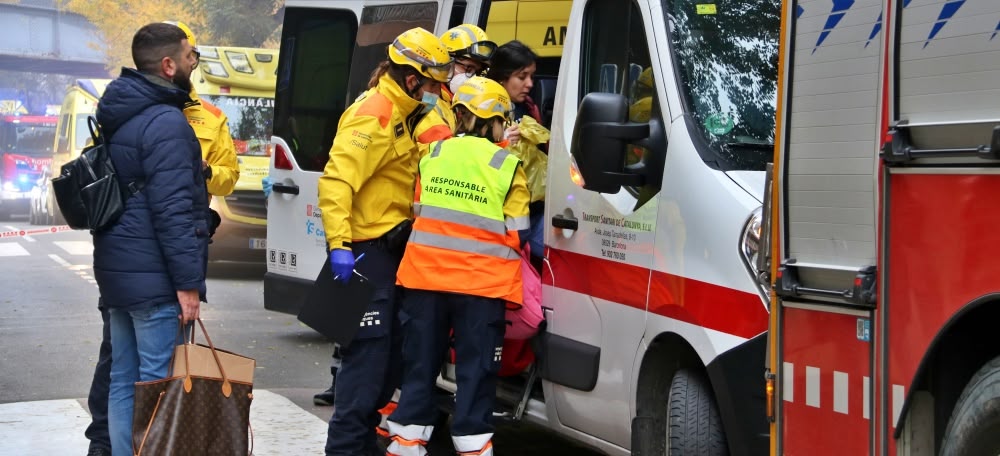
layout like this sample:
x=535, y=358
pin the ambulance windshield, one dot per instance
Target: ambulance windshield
x=727, y=61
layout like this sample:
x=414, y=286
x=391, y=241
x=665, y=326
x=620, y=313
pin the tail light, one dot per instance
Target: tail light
x=281, y=160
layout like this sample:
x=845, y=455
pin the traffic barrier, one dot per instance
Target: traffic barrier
x=34, y=231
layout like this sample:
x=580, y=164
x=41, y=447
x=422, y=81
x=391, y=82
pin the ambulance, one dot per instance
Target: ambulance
x=71, y=137
x=882, y=247
x=240, y=82
x=662, y=128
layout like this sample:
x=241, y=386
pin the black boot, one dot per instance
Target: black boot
x=326, y=397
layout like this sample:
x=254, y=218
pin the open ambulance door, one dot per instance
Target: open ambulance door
x=328, y=52
x=827, y=144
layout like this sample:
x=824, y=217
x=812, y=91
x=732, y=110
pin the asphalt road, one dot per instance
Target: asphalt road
x=50, y=331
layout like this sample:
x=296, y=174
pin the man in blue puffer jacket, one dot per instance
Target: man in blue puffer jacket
x=150, y=266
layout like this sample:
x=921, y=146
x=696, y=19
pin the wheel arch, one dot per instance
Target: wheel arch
x=666, y=354
x=968, y=332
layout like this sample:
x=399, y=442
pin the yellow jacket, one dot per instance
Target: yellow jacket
x=211, y=126
x=367, y=186
x=439, y=124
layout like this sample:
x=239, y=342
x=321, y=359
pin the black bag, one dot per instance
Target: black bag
x=87, y=189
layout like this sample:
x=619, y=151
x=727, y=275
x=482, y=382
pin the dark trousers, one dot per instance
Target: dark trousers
x=370, y=365
x=478, y=322
x=97, y=432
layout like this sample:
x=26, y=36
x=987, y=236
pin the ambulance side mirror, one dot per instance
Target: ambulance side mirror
x=600, y=138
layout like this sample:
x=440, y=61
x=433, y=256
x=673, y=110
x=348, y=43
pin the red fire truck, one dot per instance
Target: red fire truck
x=25, y=150
x=885, y=245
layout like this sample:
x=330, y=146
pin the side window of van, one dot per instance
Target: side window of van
x=311, y=91
x=615, y=59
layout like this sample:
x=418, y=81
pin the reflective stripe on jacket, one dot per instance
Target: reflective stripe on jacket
x=211, y=126
x=462, y=240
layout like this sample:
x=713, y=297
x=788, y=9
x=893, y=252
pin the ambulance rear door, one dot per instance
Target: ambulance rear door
x=828, y=140
x=328, y=52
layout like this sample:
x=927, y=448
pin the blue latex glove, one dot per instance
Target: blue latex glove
x=266, y=184
x=342, y=264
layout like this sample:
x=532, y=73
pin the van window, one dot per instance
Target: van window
x=81, y=131
x=379, y=26
x=726, y=56
x=311, y=91
x=610, y=68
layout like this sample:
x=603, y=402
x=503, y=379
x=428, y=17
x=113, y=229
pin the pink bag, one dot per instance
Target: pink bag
x=524, y=321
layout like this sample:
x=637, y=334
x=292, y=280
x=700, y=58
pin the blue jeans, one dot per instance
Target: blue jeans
x=535, y=236
x=142, y=343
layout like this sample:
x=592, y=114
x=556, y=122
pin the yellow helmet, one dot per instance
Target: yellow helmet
x=187, y=31
x=468, y=40
x=422, y=50
x=484, y=97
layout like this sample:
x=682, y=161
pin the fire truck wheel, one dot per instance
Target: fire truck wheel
x=973, y=426
x=694, y=426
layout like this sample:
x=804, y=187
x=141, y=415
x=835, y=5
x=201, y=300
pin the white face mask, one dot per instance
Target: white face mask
x=456, y=81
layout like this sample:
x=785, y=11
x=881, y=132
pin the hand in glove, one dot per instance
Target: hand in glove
x=342, y=264
x=266, y=184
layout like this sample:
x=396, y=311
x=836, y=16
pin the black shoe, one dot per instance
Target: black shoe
x=324, y=398
x=99, y=451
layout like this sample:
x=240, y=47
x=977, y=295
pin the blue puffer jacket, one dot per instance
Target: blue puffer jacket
x=160, y=243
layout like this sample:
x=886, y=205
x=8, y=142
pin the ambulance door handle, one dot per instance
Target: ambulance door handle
x=286, y=189
x=565, y=222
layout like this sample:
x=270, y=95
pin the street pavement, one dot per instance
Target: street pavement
x=50, y=331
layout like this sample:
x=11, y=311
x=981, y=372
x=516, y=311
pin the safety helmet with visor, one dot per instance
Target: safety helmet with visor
x=468, y=40
x=423, y=51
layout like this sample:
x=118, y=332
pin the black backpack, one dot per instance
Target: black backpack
x=87, y=189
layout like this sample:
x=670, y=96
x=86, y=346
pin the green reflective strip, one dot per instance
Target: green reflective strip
x=498, y=158
x=437, y=149
x=463, y=245
x=463, y=218
x=518, y=223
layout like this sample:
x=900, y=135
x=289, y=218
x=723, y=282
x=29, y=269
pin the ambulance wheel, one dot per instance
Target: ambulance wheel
x=694, y=426
x=973, y=426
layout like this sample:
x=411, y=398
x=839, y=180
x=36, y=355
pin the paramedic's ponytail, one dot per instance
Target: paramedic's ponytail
x=380, y=70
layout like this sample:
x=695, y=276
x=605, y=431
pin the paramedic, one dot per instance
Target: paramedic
x=366, y=197
x=462, y=264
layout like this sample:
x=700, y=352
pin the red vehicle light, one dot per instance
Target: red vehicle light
x=281, y=160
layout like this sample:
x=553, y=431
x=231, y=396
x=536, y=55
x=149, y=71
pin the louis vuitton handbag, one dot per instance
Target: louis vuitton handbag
x=201, y=408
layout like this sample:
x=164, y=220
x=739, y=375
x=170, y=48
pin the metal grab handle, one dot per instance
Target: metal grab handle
x=899, y=149
x=286, y=189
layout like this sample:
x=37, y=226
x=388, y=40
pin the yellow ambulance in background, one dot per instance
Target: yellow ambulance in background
x=72, y=135
x=540, y=24
x=240, y=82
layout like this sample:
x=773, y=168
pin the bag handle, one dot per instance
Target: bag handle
x=227, y=388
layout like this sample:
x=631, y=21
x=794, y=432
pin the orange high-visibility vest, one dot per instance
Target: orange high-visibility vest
x=461, y=241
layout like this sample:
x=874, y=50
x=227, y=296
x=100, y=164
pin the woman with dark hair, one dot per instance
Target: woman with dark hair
x=513, y=66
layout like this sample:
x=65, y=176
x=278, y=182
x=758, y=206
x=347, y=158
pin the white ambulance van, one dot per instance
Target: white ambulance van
x=662, y=126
